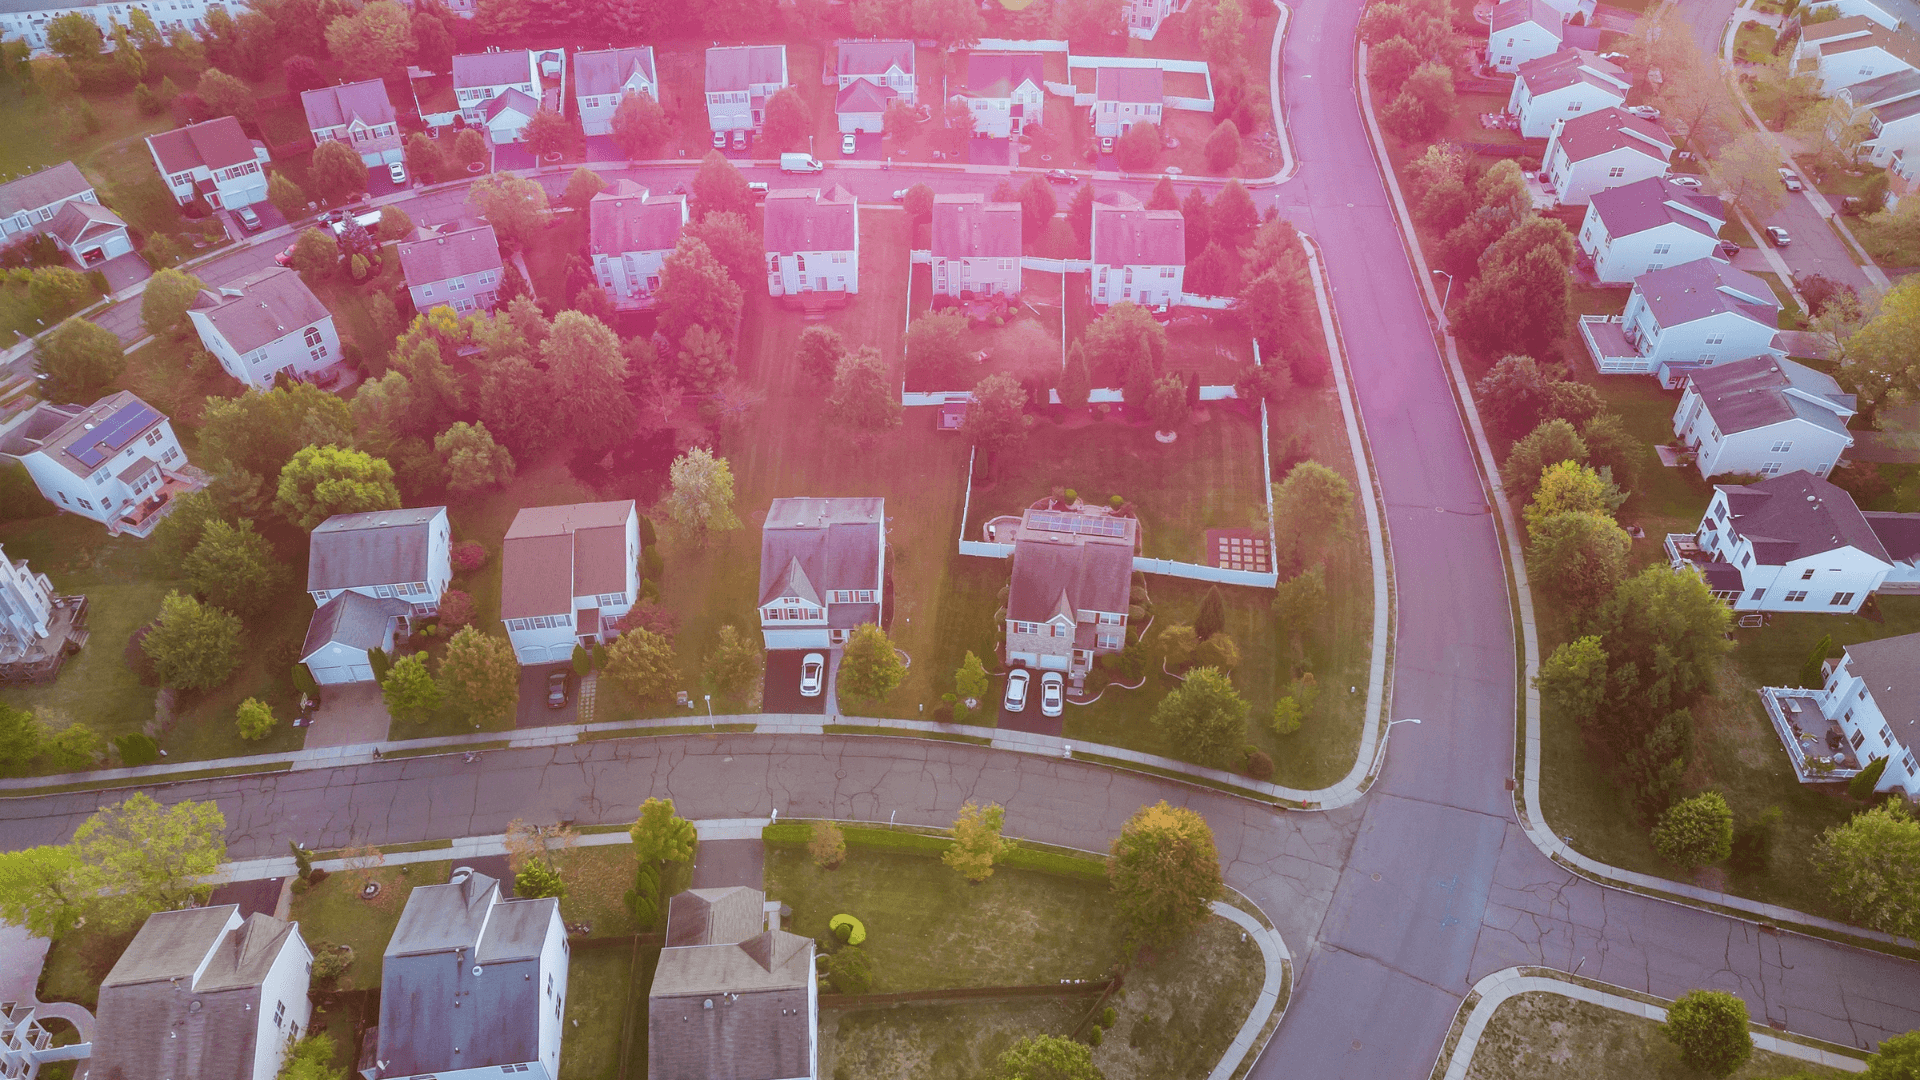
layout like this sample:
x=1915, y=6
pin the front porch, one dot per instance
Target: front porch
x=1814, y=742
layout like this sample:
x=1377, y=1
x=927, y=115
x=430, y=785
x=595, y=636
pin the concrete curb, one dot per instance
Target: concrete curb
x=1496, y=989
x=1279, y=964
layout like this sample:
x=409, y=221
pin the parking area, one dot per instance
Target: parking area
x=1029, y=718
x=782, y=691
x=533, y=711
x=721, y=864
x=350, y=714
x=270, y=218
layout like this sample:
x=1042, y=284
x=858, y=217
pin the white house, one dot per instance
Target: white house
x=26, y=20
x=459, y=269
x=1005, y=91
x=823, y=570
x=26, y=609
x=507, y=114
x=1873, y=695
x=266, y=323
x=1889, y=106
x=1599, y=150
x=1763, y=416
x=214, y=160
x=203, y=992
x=630, y=233
x=604, y=76
x=1070, y=589
x=359, y=115
x=733, y=995
x=812, y=241
x=1125, y=96
x=740, y=79
x=1562, y=86
x=1684, y=318
x=90, y=234
x=116, y=461
x=1145, y=16
x=976, y=246
x=1523, y=30
x=1647, y=225
x=383, y=554
x=1138, y=254
x=472, y=985
x=872, y=75
x=478, y=78
x=567, y=575
x=28, y=205
x=344, y=633
x=1853, y=50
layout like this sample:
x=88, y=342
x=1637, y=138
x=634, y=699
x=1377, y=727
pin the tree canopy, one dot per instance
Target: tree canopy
x=321, y=481
x=80, y=359
x=480, y=677
x=869, y=668
x=193, y=646
x=1166, y=872
x=700, y=499
x=661, y=835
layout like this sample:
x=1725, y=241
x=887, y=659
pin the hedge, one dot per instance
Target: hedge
x=1020, y=857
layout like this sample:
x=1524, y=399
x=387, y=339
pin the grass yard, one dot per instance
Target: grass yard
x=597, y=882
x=349, y=303
x=937, y=1042
x=333, y=912
x=1753, y=44
x=1542, y=1036
x=1890, y=245
x=547, y=260
x=1026, y=347
x=1180, y=1010
x=598, y=982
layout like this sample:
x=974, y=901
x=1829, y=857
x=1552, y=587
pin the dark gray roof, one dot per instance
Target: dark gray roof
x=1897, y=110
x=383, y=547
x=1656, y=201
x=1900, y=533
x=1762, y=391
x=715, y=916
x=503, y=68
x=1061, y=573
x=1702, y=288
x=352, y=619
x=606, y=71
x=1797, y=514
x=44, y=188
x=170, y=945
x=1892, y=86
x=758, y=1035
x=442, y=917
x=1890, y=668
x=810, y=547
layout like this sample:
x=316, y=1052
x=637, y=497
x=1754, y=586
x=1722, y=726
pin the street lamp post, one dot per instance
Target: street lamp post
x=1384, y=736
x=711, y=724
x=1444, y=301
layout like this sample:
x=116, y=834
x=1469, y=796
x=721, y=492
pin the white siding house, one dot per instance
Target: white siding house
x=1139, y=255
x=1684, y=318
x=460, y=270
x=266, y=323
x=1562, y=86
x=26, y=609
x=506, y=115
x=1005, y=91
x=1599, y=150
x=1853, y=50
x=1070, y=588
x=213, y=160
x=1125, y=96
x=823, y=570
x=90, y=234
x=478, y=78
x=384, y=554
x=1145, y=16
x=740, y=79
x=359, y=115
x=1649, y=225
x=26, y=20
x=116, y=461
x=630, y=233
x=976, y=246
x=603, y=77
x=1792, y=542
x=1873, y=695
x=812, y=241
x=567, y=576
x=1523, y=30
x=1763, y=417
x=872, y=75
x=734, y=995
x=28, y=205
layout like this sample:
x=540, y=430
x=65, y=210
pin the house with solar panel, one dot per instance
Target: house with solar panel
x=116, y=461
x=823, y=570
x=1071, y=586
x=266, y=323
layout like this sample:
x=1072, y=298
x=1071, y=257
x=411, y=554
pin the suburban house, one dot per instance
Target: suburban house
x=478, y=78
x=1872, y=696
x=734, y=995
x=266, y=323
x=90, y=234
x=1145, y=16
x=26, y=20
x=1893, y=126
x=1005, y=91
x=823, y=570
x=1564, y=85
x=1795, y=542
x=116, y=461
x=604, y=76
x=1523, y=30
x=1647, y=225
x=507, y=114
x=1683, y=318
x=1138, y=254
x=460, y=269
x=344, y=633
x=872, y=75
x=630, y=233
x=567, y=575
x=359, y=115
x=28, y=205
x=812, y=241
x=1853, y=7
x=384, y=554
x=1071, y=586
x=1599, y=150
x=433, y=97
x=1125, y=96
x=39, y=628
x=203, y=992
x=976, y=246
x=1763, y=416
x=1854, y=49
x=740, y=79
x=213, y=160
x=450, y=1006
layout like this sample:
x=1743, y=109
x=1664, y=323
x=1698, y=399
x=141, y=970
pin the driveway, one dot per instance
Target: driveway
x=532, y=711
x=1029, y=718
x=781, y=693
x=720, y=864
x=253, y=897
x=350, y=714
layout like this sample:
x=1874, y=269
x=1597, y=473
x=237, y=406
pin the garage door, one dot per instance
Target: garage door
x=345, y=673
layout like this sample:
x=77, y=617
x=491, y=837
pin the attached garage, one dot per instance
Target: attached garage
x=343, y=631
x=90, y=233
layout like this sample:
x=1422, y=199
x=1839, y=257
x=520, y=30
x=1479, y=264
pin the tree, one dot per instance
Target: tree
x=41, y=890
x=480, y=677
x=819, y=351
x=939, y=349
x=373, y=41
x=869, y=668
x=789, y=120
x=20, y=738
x=536, y=880
x=1709, y=1028
x=1206, y=717
x=1663, y=634
x=546, y=134
x=660, y=835
x=1897, y=1059
x=1211, y=619
x=642, y=663
x=977, y=842
x=1085, y=23
x=704, y=360
x=997, y=419
x=970, y=682
x=321, y=481
x=1881, y=360
x=1514, y=395
x=582, y=186
x=1223, y=146
x=918, y=203
x=315, y=253
x=1312, y=511
x=1570, y=487
x=719, y=186
x=734, y=663
x=141, y=857
x=255, y=719
x=1080, y=213
x=587, y=377
x=515, y=207
x=1166, y=871
x=234, y=567
x=1389, y=64
x=74, y=37
x=1047, y=1057
x=80, y=360
x=1871, y=864
x=700, y=499
x=1748, y=171
x=1164, y=197
x=409, y=691
x=1126, y=346
x=1300, y=601
x=469, y=149
x=1695, y=832
x=828, y=846
x=169, y=293
x=1138, y=148
x=73, y=748
x=1076, y=385
x=1519, y=303
x=1232, y=217
x=1166, y=406
x=736, y=244
x=1573, y=681
x=1037, y=207
x=863, y=397
x=225, y=95
x=1223, y=36
x=1423, y=106
x=1551, y=443
x=640, y=126
x=1578, y=556
x=285, y=195
x=695, y=289
x=337, y=173
x=193, y=646
x=474, y=460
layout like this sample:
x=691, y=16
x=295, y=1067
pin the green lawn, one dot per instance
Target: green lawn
x=597, y=999
x=333, y=912
x=348, y=301
x=547, y=260
x=1754, y=43
x=938, y=1042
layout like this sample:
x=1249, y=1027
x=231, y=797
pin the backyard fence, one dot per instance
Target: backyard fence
x=958, y=995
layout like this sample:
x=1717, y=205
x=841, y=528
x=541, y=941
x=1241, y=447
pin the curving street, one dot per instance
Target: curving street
x=1393, y=907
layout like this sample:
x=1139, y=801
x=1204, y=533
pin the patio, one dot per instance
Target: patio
x=66, y=635
x=1814, y=742
x=1723, y=578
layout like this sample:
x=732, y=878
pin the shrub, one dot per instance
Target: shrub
x=318, y=876
x=1108, y=1016
x=1861, y=786
x=848, y=929
x=1696, y=831
x=1709, y=1028
x=456, y=610
x=1259, y=765
x=329, y=962
x=468, y=555
x=255, y=719
x=1096, y=1036
x=850, y=972
x=828, y=846
x=136, y=748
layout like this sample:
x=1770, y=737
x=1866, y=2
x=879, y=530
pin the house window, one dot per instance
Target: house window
x=1746, y=559
x=1107, y=618
x=1576, y=106
x=611, y=599
x=1907, y=762
x=1782, y=446
x=316, y=345
x=1794, y=596
x=1759, y=594
x=1720, y=511
x=1841, y=599
x=865, y=596
x=1886, y=736
x=85, y=505
x=1806, y=575
x=1107, y=641
x=426, y=290
x=1662, y=249
x=153, y=437
x=1717, y=339
x=1858, y=738
x=457, y=285
x=1616, y=172
x=1771, y=468
x=279, y=1012
x=172, y=452
x=485, y=277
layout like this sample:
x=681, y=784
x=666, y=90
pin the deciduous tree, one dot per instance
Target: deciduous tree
x=789, y=121
x=1312, y=512
x=164, y=303
x=337, y=173
x=587, y=376
x=480, y=677
x=1897, y=1059
x=977, y=842
x=225, y=95
x=1166, y=872
x=1223, y=145
x=315, y=253
x=255, y=719
x=1519, y=303
x=1881, y=360
x=234, y=568
x=1571, y=487
x=1047, y=1057
x=869, y=668
x=582, y=186
x=474, y=460
x=515, y=207
x=1709, y=1028
x=42, y=890
x=80, y=359
x=819, y=351
x=660, y=835
x=939, y=349
x=1206, y=717
x=1127, y=346
x=863, y=396
x=736, y=244
x=547, y=133
x=1551, y=443
x=409, y=691
x=75, y=37
x=321, y=481
x=1037, y=207
x=141, y=857
x=700, y=495
x=1695, y=832
x=640, y=126
x=734, y=664
x=1232, y=216
x=193, y=646
x=695, y=289
x=1871, y=864
x=1138, y=149
x=997, y=418
x=373, y=41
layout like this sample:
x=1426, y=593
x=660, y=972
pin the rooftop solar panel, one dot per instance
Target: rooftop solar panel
x=1080, y=524
x=115, y=432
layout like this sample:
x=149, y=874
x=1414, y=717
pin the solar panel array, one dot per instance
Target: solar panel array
x=117, y=431
x=1079, y=524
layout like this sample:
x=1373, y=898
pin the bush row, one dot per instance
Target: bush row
x=1021, y=857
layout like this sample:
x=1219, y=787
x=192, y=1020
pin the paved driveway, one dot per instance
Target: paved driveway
x=350, y=714
x=720, y=864
x=532, y=711
x=781, y=693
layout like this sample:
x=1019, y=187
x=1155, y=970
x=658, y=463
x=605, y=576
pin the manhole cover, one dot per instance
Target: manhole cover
x=1376, y=877
x=1356, y=1044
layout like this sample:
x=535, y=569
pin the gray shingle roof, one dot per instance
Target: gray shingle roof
x=1126, y=233
x=626, y=217
x=1656, y=201
x=874, y=57
x=352, y=619
x=215, y=144
x=552, y=554
x=506, y=68
x=1704, y=287
x=998, y=75
x=1133, y=85
x=1557, y=71
x=715, y=916
x=1899, y=532
x=79, y=219
x=272, y=304
x=170, y=945
x=970, y=227
x=1797, y=514
x=809, y=219
x=451, y=255
x=729, y=999
x=1511, y=13
x=606, y=71
x=1892, y=86
x=1754, y=393
x=736, y=67
x=44, y=188
x=1591, y=134
x=381, y=547
x=1890, y=667
x=336, y=106
x=1051, y=578
x=833, y=544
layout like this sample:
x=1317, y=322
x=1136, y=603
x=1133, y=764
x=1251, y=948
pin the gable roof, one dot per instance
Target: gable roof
x=813, y=547
x=171, y=945
x=875, y=57
x=737, y=1011
x=715, y=916
x=552, y=554
x=1061, y=572
x=272, y=303
x=1703, y=288
x=1570, y=67
x=625, y=217
x=1137, y=85
x=80, y=437
x=738, y=67
x=999, y=74
x=1890, y=668
x=809, y=219
x=1882, y=89
x=380, y=547
x=450, y=255
x=352, y=619
x=338, y=106
x=1512, y=13
x=1901, y=44
x=1656, y=201
x=1899, y=532
x=512, y=67
x=1843, y=27
x=511, y=99
x=79, y=219
x=44, y=188
x=861, y=96
x=212, y=144
x=1605, y=130
x=1755, y=393
x=606, y=71
x=1126, y=233
x=1797, y=514
x=970, y=227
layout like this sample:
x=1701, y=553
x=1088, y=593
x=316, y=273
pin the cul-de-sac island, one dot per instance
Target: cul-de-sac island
x=959, y=539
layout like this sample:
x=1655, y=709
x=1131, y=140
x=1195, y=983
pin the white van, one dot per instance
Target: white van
x=800, y=163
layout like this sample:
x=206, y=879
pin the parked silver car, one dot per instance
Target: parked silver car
x=1016, y=698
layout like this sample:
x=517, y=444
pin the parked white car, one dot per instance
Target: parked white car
x=1052, y=693
x=1016, y=698
x=813, y=668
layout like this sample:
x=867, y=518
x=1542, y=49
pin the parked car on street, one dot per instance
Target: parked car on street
x=1692, y=182
x=1059, y=176
x=285, y=258
x=813, y=668
x=557, y=690
x=1016, y=698
x=249, y=220
x=1778, y=236
x=1052, y=693
x=899, y=194
x=1791, y=181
